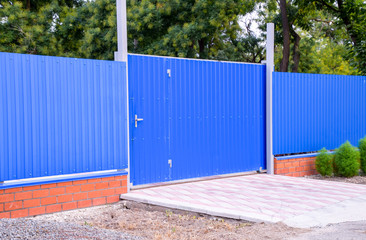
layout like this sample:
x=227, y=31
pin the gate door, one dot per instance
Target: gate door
x=200, y=118
x=149, y=130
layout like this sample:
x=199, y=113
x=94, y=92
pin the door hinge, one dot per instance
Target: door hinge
x=170, y=163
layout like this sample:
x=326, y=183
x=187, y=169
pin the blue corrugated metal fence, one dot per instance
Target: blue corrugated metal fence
x=196, y=118
x=206, y=117
x=312, y=111
x=61, y=116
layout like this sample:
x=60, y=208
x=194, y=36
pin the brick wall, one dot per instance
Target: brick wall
x=295, y=167
x=63, y=196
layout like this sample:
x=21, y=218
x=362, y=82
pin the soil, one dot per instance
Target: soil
x=341, y=231
x=152, y=222
x=356, y=179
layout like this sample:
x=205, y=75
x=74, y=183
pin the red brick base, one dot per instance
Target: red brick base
x=295, y=167
x=63, y=196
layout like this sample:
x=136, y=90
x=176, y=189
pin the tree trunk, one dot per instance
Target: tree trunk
x=135, y=44
x=286, y=37
x=190, y=51
x=344, y=15
x=202, y=49
x=28, y=4
x=296, y=52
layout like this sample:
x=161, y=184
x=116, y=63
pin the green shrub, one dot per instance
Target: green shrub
x=362, y=147
x=324, y=163
x=346, y=161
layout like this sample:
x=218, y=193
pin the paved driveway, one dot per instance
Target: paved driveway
x=298, y=202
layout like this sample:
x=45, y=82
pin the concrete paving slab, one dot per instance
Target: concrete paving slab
x=298, y=202
x=345, y=211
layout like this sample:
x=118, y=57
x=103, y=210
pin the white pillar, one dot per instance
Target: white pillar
x=269, y=71
x=121, y=54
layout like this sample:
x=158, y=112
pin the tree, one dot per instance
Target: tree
x=35, y=5
x=243, y=49
x=247, y=47
x=189, y=28
x=24, y=31
x=45, y=28
x=198, y=29
x=193, y=28
x=350, y=14
x=286, y=36
x=98, y=23
x=304, y=21
x=323, y=49
x=293, y=19
x=321, y=55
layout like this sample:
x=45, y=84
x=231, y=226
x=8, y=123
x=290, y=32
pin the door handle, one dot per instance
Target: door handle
x=137, y=120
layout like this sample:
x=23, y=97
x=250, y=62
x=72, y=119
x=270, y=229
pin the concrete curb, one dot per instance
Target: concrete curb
x=201, y=209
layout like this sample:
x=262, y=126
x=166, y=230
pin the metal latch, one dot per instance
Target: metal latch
x=169, y=72
x=170, y=163
x=137, y=120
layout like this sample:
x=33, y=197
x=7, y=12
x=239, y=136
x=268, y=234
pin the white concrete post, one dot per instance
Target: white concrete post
x=269, y=71
x=121, y=55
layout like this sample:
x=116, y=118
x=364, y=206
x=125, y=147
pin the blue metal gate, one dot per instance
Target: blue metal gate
x=193, y=118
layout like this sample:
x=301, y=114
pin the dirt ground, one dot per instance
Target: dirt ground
x=356, y=179
x=151, y=222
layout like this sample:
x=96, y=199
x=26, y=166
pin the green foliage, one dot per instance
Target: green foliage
x=324, y=163
x=36, y=5
x=62, y=28
x=24, y=31
x=346, y=161
x=185, y=28
x=362, y=148
x=243, y=49
x=324, y=56
x=326, y=30
x=100, y=34
x=351, y=15
x=75, y=28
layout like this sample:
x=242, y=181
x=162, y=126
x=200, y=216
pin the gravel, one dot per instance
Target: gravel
x=356, y=179
x=341, y=231
x=159, y=223
x=33, y=229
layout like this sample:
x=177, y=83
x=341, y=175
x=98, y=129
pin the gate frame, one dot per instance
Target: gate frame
x=122, y=55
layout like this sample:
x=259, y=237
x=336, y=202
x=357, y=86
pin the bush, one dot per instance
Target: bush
x=346, y=161
x=362, y=147
x=324, y=163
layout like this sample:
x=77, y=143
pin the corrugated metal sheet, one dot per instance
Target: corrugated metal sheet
x=148, y=92
x=312, y=111
x=61, y=116
x=208, y=118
